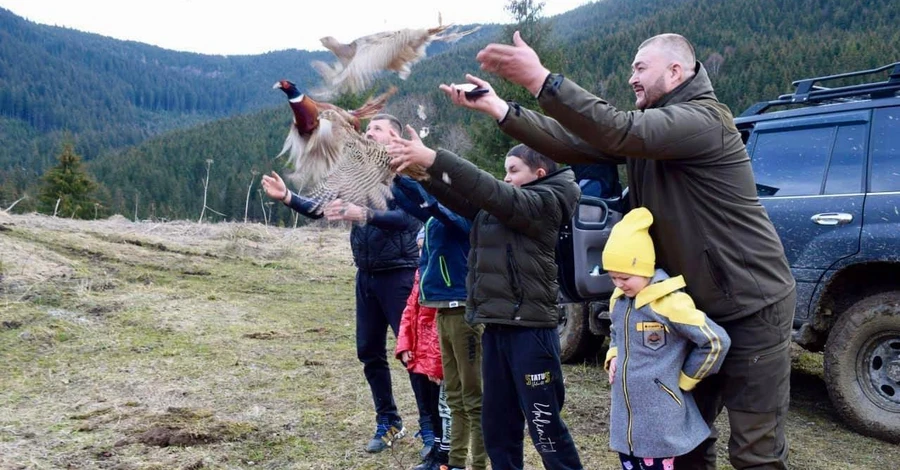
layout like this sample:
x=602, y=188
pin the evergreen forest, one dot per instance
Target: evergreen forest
x=157, y=130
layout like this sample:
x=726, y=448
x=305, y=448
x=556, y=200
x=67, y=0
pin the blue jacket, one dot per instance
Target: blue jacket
x=445, y=253
x=386, y=241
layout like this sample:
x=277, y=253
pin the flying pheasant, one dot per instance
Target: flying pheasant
x=329, y=157
x=360, y=61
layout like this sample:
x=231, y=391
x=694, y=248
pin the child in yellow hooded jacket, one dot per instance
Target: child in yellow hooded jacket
x=661, y=346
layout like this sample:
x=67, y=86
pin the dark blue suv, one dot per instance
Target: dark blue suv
x=827, y=167
x=828, y=174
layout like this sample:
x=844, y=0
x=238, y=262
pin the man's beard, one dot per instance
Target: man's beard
x=652, y=94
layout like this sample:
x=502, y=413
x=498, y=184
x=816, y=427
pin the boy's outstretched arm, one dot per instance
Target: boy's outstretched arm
x=413, y=198
x=516, y=208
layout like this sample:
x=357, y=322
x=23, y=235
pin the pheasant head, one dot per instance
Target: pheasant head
x=306, y=113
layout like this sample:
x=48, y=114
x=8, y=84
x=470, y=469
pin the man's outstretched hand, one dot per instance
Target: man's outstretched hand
x=488, y=103
x=517, y=63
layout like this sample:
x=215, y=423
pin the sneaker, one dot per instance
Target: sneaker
x=385, y=435
x=427, y=436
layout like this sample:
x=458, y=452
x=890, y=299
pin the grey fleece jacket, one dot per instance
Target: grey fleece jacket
x=663, y=347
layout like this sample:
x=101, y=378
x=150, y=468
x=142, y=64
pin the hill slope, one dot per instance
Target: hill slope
x=754, y=49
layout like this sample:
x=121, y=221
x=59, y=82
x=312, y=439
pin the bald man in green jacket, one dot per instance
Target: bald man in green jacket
x=687, y=164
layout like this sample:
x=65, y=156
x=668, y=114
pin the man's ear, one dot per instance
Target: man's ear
x=541, y=172
x=677, y=72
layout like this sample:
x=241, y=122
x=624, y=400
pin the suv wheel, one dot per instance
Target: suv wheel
x=575, y=339
x=862, y=366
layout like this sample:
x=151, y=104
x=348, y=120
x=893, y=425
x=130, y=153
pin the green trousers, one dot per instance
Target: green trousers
x=461, y=358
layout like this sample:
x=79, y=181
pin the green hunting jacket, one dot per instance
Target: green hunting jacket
x=512, y=263
x=687, y=164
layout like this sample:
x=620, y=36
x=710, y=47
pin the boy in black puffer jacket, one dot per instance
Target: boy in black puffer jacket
x=512, y=290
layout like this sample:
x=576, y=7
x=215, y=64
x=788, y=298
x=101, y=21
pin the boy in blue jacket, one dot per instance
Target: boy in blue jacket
x=443, y=269
x=661, y=346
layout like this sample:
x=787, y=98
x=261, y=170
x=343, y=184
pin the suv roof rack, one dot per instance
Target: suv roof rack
x=807, y=92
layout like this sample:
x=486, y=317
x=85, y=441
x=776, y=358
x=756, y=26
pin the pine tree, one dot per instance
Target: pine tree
x=68, y=185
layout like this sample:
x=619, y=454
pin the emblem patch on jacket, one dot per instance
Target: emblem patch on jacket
x=536, y=380
x=654, y=334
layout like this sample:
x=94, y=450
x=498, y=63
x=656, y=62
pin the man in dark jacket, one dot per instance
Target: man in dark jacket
x=686, y=163
x=385, y=252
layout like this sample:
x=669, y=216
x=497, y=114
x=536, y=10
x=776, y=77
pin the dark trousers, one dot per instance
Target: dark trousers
x=754, y=384
x=523, y=384
x=428, y=396
x=380, y=299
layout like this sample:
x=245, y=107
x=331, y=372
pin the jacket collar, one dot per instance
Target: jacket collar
x=562, y=183
x=698, y=86
x=660, y=286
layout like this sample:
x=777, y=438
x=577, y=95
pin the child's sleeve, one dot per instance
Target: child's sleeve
x=406, y=333
x=613, y=350
x=711, y=342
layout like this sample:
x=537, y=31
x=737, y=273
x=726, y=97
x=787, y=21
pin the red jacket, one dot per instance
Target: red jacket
x=419, y=335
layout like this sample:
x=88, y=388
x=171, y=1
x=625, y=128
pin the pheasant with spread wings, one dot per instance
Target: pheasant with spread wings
x=328, y=156
x=360, y=61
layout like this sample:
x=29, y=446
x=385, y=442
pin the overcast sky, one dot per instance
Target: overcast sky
x=254, y=27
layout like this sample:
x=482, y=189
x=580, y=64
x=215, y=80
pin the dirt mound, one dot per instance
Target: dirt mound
x=187, y=427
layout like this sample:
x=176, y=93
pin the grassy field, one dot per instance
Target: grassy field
x=184, y=346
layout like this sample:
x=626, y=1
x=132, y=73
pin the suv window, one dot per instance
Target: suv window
x=793, y=162
x=886, y=150
x=845, y=170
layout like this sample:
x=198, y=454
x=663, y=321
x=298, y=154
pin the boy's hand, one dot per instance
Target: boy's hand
x=405, y=356
x=408, y=152
x=434, y=379
x=612, y=369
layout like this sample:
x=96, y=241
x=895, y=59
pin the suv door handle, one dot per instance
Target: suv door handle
x=832, y=218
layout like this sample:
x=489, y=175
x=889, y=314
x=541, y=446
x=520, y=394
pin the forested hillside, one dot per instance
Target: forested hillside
x=109, y=93
x=130, y=91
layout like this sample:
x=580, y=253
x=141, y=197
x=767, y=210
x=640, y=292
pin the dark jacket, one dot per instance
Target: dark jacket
x=687, y=164
x=664, y=346
x=512, y=267
x=445, y=253
x=386, y=241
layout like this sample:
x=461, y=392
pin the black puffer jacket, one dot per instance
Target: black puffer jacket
x=512, y=263
x=387, y=241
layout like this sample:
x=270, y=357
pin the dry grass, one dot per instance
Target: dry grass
x=159, y=346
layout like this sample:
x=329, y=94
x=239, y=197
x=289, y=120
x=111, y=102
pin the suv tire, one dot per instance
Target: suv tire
x=862, y=366
x=575, y=339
